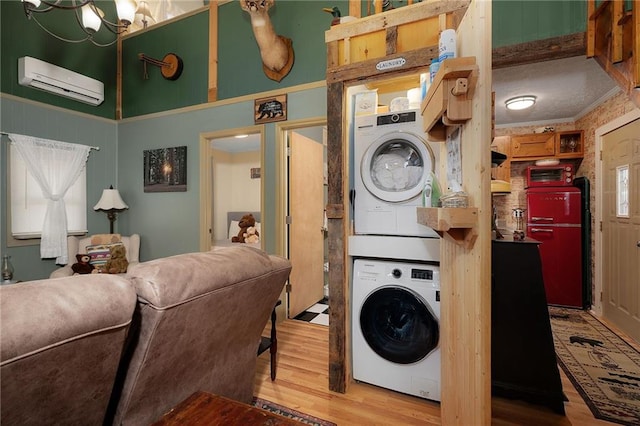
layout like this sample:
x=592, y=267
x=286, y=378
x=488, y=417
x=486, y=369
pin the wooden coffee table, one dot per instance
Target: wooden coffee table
x=203, y=408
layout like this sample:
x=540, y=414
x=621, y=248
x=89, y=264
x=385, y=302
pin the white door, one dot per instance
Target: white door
x=621, y=228
x=306, y=230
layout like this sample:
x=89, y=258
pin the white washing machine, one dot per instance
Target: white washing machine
x=392, y=162
x=396, y=326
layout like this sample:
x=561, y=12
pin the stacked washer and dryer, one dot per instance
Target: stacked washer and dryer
x=396, y=286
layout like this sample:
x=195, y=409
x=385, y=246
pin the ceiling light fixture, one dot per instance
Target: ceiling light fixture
x=520, y=102
x=242, y=136
x=90, y=18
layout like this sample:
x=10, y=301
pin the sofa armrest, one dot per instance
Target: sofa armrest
x=133, y=253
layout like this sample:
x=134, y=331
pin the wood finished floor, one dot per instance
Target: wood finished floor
x=302, y=383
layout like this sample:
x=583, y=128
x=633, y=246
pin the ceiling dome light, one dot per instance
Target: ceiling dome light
x=520, y=102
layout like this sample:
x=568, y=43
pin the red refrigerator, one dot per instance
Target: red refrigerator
x=554, y=219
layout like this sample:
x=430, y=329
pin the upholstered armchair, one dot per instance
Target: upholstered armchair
x=77, y=245
x=198, y=323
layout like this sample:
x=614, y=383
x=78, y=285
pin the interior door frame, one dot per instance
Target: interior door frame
x=205, y=180
x=599, y=136
x=282, y=191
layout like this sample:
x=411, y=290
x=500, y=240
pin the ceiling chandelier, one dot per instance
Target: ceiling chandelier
x=90, y=18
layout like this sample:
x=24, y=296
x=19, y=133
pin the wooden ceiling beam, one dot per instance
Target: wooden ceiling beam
x=549, y=49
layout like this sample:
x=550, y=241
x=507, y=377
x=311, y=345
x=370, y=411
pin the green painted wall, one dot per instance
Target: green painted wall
x=239, y=65
x=22, y=37
x=168, y=222
x=186, y=38
x=39, y=120
x=520, y=21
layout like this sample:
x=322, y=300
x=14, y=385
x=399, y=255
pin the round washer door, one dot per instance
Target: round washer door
x=398, y=325
x=395, y=166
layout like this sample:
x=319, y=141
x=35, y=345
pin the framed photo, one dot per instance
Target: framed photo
x=165, y=169
x=273, y=108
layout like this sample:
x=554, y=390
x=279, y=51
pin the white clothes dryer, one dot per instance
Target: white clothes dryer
x=392, y=162
x=396, y=326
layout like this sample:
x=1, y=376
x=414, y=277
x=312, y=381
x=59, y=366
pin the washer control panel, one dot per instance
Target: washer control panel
x=422, y=274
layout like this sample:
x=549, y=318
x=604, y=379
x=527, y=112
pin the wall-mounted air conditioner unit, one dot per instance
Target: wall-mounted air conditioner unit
x=42, y=75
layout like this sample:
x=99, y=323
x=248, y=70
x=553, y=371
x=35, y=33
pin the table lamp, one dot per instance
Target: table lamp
x=111, y=203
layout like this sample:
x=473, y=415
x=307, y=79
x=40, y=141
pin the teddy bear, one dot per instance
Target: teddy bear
x=251, y=236
x=82, y=266
x=117, y=263
x=245, y=223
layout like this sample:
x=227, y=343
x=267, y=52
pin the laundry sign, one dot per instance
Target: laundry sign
x=390, y=64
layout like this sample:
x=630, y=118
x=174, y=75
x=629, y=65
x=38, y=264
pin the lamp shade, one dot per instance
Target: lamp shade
x=35, y=3
x=91, y=18
x=143, y=9
x=110, y=200
x=126, y=10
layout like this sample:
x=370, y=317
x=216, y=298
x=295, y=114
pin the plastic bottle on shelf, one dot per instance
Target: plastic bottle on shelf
x=447, y=45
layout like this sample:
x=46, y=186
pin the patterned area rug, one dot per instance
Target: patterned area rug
x=604, y=369
x=288, y=412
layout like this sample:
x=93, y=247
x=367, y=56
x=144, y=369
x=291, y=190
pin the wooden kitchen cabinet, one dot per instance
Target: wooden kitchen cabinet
x=536, y=146
x=502, y=171
x=533, y=146
x=569, y=144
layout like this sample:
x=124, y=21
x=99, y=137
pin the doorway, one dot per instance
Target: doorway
x=231, y=186
x=604, y=262
x=301, y=149
x=621, y=228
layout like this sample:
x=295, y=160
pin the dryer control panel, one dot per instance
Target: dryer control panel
x=399, y=117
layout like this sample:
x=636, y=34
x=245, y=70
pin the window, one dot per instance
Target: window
x=28, y=206
x=622, y=191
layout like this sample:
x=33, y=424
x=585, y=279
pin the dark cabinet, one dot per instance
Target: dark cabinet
x=523, y=358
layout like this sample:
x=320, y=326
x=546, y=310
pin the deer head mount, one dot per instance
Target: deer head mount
x=276, y=51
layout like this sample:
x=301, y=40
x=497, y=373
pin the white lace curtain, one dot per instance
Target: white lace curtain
x=43, y=158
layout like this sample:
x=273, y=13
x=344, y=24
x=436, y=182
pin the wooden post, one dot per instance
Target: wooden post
x=339, y=324
x=119, y=79
x=212, y=93
x=466, y=272
x=635, y=63
x=355, y=8
x=591, y=29
x=616, y=31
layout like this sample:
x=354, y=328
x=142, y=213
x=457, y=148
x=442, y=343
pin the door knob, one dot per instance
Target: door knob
x=638, y=243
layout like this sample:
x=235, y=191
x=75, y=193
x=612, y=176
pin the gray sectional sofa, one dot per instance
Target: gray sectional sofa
x=106, y=349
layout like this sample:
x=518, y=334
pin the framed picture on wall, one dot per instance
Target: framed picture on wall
x=165, y=169
x=273, y=108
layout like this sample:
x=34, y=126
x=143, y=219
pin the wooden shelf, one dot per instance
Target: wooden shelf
x=449, y=99
x=456, y=223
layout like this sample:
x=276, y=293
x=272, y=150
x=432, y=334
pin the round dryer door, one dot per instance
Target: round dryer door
x=395, y=166
x=398, y=325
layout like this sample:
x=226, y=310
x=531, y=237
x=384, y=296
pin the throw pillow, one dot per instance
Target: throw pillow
x=100, y=254
x=105, y=239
